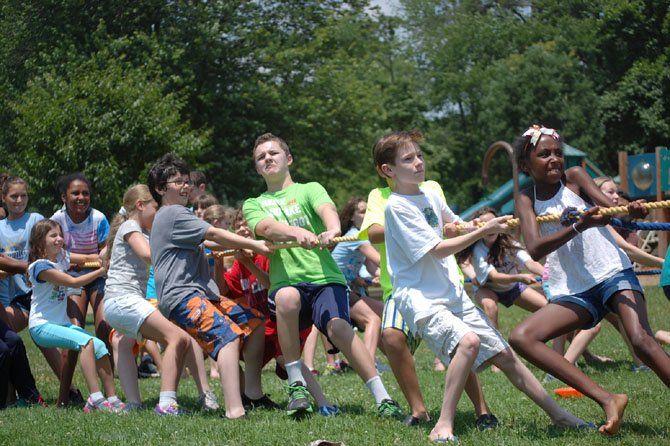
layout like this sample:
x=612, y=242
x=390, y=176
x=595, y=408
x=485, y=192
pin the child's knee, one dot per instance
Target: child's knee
x=519, y=336
x=287, y=300
x=469, y=344
x=338, y=328
x=394, y=340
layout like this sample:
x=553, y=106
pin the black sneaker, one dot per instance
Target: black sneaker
x=486, y=421
x=261, y=403
x=298, y=400
x=75, y=397
x=147, y=368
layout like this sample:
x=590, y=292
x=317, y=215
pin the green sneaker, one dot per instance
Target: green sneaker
x=298, y=400
x=389, y=408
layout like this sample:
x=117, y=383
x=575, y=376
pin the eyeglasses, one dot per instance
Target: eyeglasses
x=180, y=183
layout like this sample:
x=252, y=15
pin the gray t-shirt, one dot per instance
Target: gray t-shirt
x=178, y=257
x=128, y=273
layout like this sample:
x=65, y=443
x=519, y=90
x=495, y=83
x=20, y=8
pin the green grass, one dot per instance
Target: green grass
x=647, y=419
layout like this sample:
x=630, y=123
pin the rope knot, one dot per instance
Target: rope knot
x=570, y=215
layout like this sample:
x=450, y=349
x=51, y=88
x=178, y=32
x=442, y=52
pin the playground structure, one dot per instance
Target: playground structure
x=644, y=176
x=503, y=197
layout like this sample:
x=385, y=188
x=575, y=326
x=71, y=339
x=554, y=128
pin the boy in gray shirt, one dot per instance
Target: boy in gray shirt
x=189, y=297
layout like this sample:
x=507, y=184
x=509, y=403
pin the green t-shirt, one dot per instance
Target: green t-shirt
x=296, y=206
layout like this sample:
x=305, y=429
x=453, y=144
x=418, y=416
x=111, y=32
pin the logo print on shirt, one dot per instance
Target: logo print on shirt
x=430, y=216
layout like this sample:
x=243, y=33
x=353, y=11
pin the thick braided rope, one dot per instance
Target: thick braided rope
x=547, y=218
x=641, y=225
x=287, y=245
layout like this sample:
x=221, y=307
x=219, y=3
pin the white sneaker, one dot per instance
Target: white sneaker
x=208, y=401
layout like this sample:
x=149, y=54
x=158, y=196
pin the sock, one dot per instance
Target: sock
x=377, y=389
x=294, y=371
x=96, y=398
x=167, y=398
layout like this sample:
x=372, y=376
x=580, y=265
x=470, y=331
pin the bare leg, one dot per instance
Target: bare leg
x=524, y=380
x=309, y=351
x=126, y=366
x=88, y=367
x=662, y=336
x=229, y=371
x=106, y=375
x=488, y=301
x=288, y=311
x=580, y=342
x=77, y=306
x=457, y=373
x=196, y=364
x=253, y=362
x=371, y=323
x=529, y=338
x=177, y=346
x=352, y=347
x=151, y=347
x=632, y=310
x=402, y=363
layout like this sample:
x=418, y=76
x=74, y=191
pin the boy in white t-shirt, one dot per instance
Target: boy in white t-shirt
x=428, y=290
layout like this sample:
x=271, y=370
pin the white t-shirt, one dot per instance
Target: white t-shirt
x=128, y=274
x=513, y=262
x=413, y=226
x=584, y=261
x=48, y=302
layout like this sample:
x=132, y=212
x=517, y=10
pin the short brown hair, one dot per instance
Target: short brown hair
x=386, y=149
x=265, y=137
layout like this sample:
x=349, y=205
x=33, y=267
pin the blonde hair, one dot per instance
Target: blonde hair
x=219, y=212
x=138, y=192
x=602, y=180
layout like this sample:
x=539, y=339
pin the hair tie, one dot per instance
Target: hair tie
x=536, y=131
x=123, y=211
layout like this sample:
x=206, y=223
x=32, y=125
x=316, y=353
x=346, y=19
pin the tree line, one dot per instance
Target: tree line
x=108, y=87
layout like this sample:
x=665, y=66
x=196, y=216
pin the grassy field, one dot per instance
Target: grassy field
x=647, y=419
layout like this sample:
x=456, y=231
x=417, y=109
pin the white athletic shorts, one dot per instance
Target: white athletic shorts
x=127, y=313
x=444, y=330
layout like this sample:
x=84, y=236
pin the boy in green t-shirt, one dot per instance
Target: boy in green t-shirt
x=306, y=285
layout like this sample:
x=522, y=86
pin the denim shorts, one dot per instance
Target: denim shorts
x=596, y=298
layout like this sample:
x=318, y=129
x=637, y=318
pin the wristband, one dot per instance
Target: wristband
x=575, y=228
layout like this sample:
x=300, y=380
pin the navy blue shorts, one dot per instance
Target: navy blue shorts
x=508, y=297
x=319, y=304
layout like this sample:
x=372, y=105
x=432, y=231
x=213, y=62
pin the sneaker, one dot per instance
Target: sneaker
x=381, y=367
x=102, y=406
x=76, y=397
x=298, y=400
x=331, y=370
x=343, y=366
x=637, y=368
x=118, y=405
x=134, y=407
x=486, y=421
x=261, y=403
x=172, y=410
x=329, y=411
x=207, y=401
x=147, y=368
x=549, y=378
x=389, y=408
x=34, y=400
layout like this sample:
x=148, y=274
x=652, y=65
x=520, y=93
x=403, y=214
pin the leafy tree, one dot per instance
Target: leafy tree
x=101, y=117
